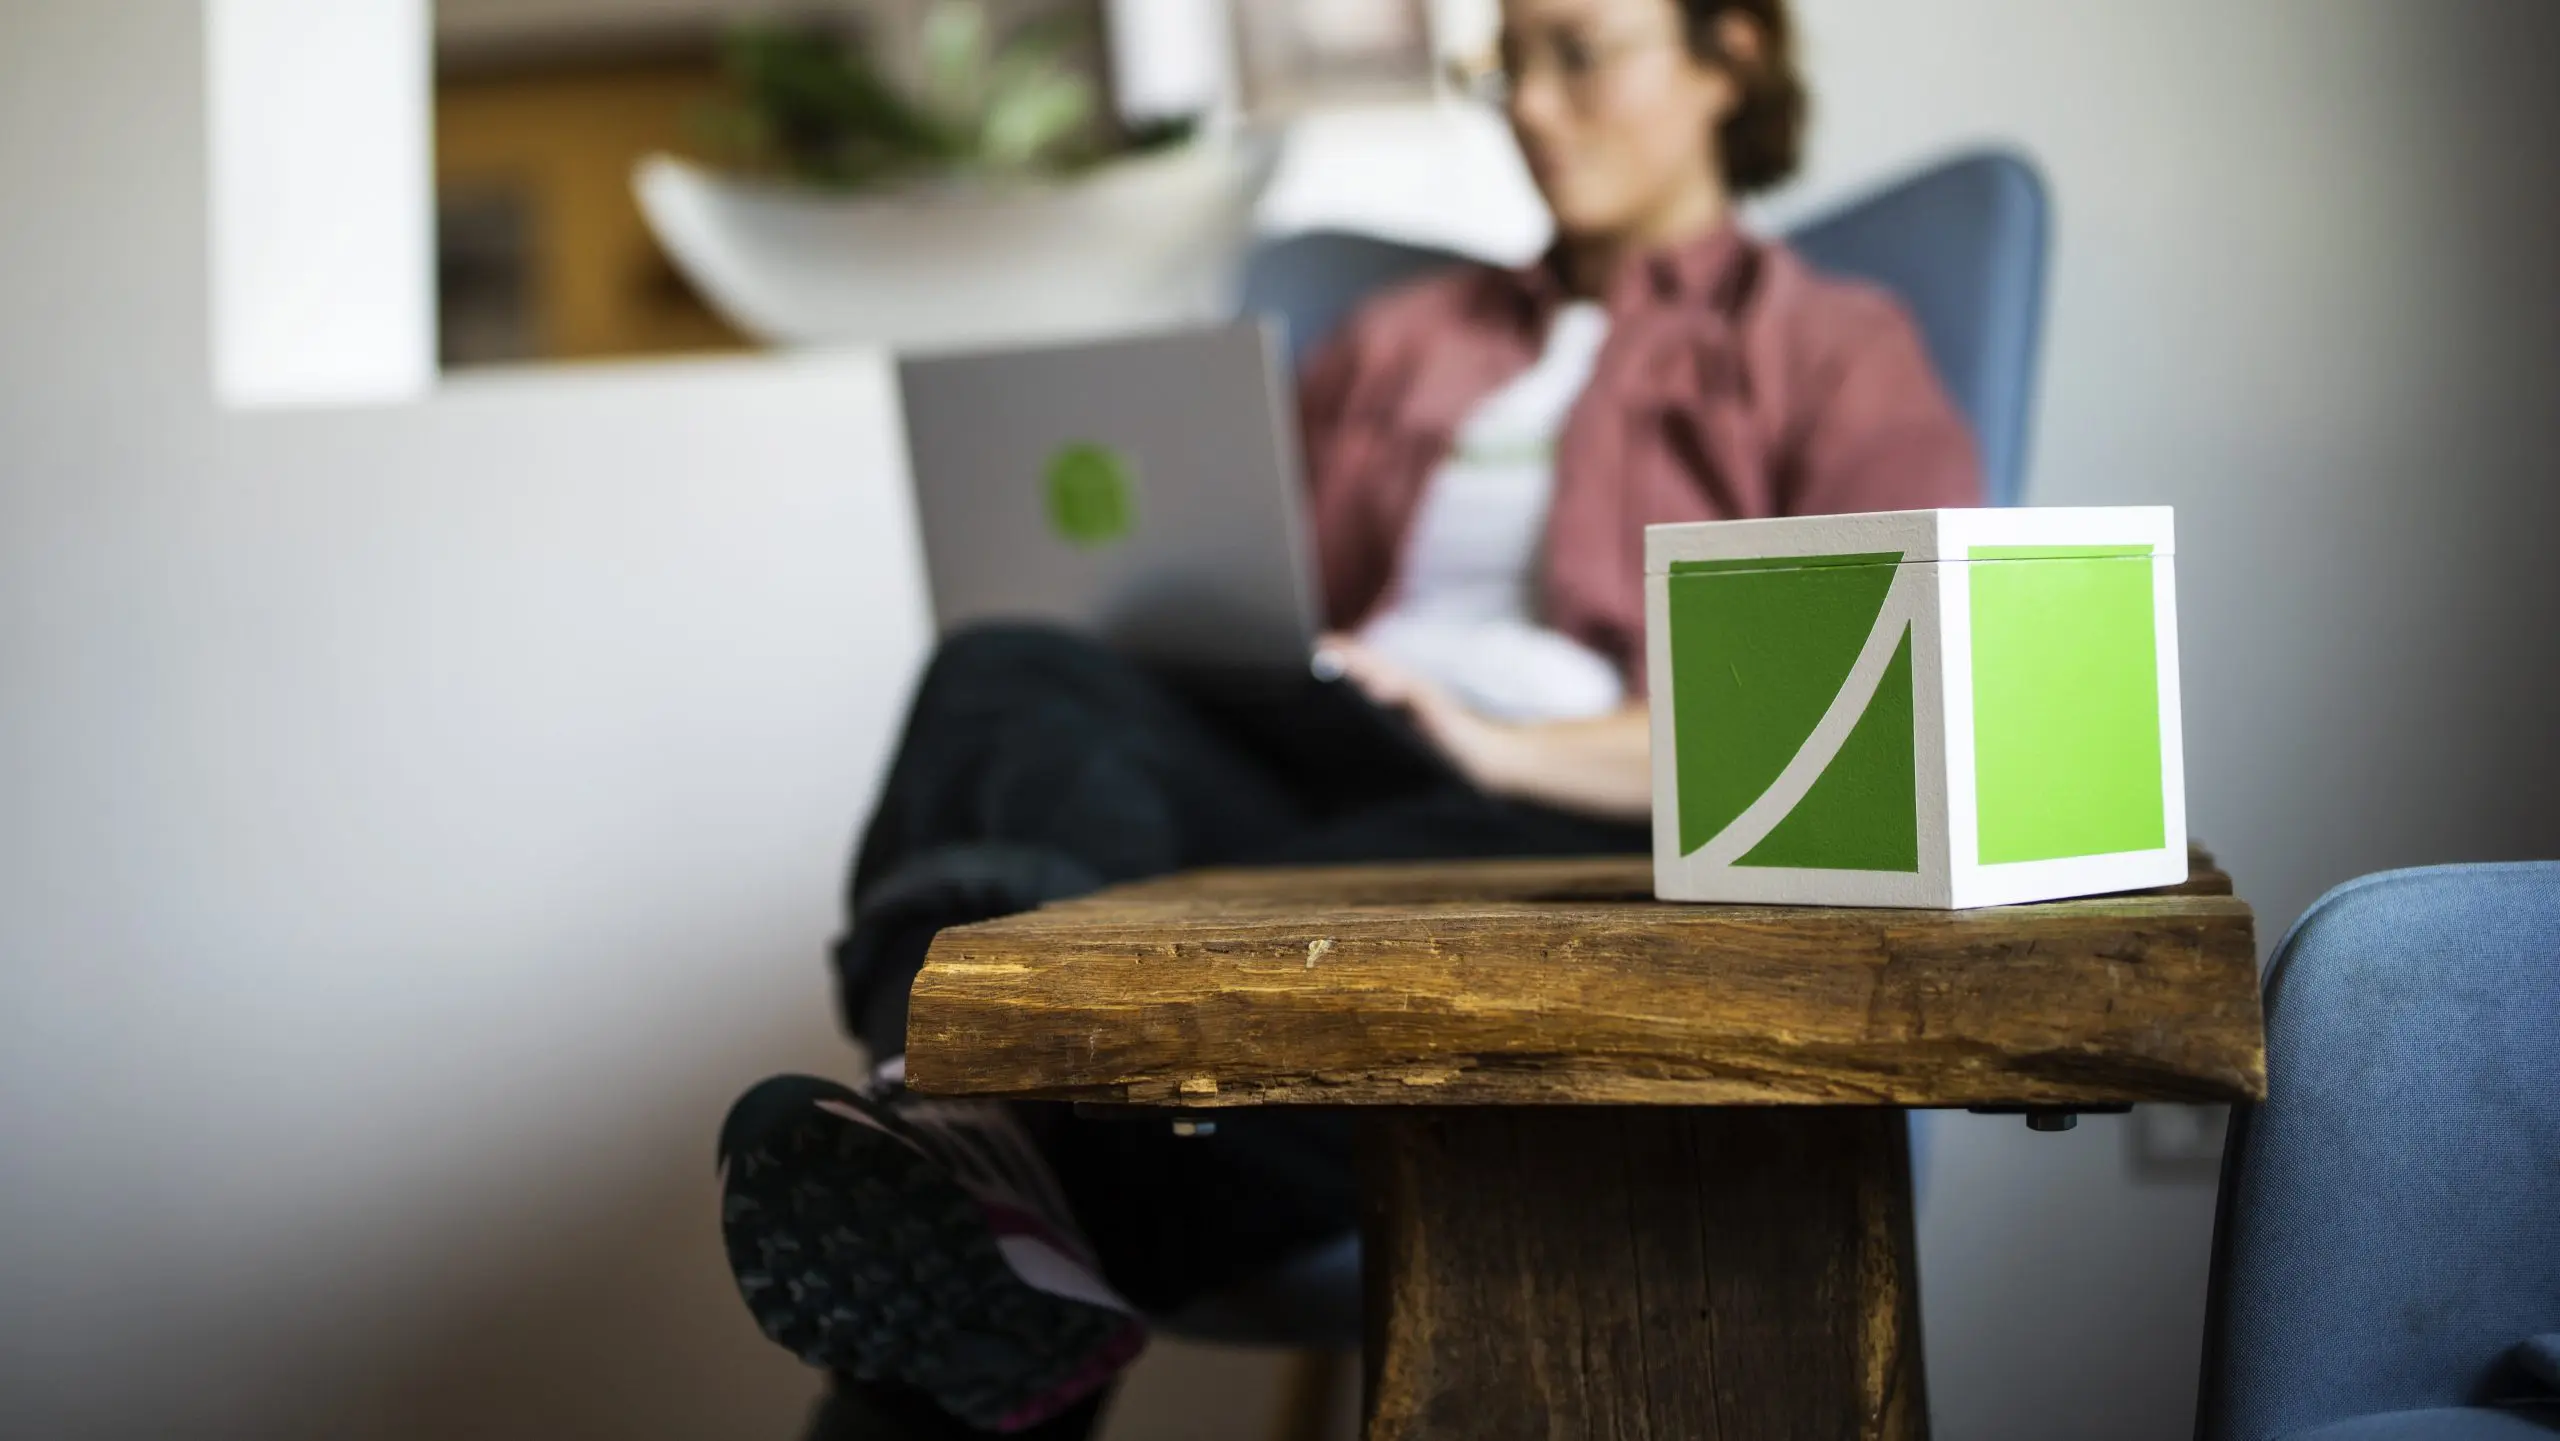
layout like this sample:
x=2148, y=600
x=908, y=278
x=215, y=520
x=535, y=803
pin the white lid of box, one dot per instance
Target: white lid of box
x=1927, y=536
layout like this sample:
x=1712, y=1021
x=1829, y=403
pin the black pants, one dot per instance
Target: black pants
x=1036, y=764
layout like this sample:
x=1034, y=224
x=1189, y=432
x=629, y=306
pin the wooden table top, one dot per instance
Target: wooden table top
x=1525, y=982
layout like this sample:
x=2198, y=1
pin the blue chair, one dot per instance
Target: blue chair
x=1312, y=280
x=2390, y=1217
x=1962, y=243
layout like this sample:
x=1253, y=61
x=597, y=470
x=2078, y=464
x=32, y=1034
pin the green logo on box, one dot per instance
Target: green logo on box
x=1092, y=496
x=1763, y=649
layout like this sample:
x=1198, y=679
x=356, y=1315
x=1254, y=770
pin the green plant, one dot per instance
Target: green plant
x=815, y=103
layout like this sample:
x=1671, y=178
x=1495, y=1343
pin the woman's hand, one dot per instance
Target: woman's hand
x=1484, y=750
x=1600, y=767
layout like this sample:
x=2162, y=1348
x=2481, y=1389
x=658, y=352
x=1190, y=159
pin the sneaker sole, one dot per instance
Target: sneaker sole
x=856, y=1252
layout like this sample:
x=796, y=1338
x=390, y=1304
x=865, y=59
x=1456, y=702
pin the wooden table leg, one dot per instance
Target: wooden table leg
x=1646, y=1274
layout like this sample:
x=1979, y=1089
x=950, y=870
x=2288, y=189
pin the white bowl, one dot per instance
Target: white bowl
x=1138, y=243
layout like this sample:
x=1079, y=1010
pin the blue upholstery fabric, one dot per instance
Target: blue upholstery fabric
x=1312, y=281
x=2390, y=1218
x=2461, y=1423
x=1962, y=243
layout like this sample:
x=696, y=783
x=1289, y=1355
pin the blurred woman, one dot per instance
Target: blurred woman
x=1484, y=450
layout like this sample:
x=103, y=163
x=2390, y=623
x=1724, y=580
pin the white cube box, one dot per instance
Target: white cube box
x=1937, y=708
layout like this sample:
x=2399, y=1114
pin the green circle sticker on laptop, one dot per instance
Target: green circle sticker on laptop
x=1093, y=495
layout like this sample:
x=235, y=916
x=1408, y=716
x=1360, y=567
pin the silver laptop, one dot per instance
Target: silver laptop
x=1145, y=490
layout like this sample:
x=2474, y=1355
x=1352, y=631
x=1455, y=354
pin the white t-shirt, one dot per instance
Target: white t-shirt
x=1464, y=611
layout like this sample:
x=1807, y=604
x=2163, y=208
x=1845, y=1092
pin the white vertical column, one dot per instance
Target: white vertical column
x=322, y=186
x=1465, y=29
x=1172, y=57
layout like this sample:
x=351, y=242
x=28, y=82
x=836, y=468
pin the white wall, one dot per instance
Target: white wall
x=418, y=822
x=415, y=823
x=2304, y=291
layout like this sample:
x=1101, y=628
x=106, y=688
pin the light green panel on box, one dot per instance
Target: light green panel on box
x=1759, y=650
x=2066, y=703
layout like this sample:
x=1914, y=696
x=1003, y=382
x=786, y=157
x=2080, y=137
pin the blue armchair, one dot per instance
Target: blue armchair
x=2390, y=1221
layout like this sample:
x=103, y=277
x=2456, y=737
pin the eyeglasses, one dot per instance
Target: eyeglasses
x=1580, y=63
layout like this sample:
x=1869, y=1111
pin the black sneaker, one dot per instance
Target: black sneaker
x=917, y=1242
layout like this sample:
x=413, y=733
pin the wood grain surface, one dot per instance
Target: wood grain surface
x=1563, y=982
x=1642, y=1274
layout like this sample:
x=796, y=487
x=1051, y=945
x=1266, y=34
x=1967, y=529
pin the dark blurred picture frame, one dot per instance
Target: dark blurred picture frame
x=1295, y=55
